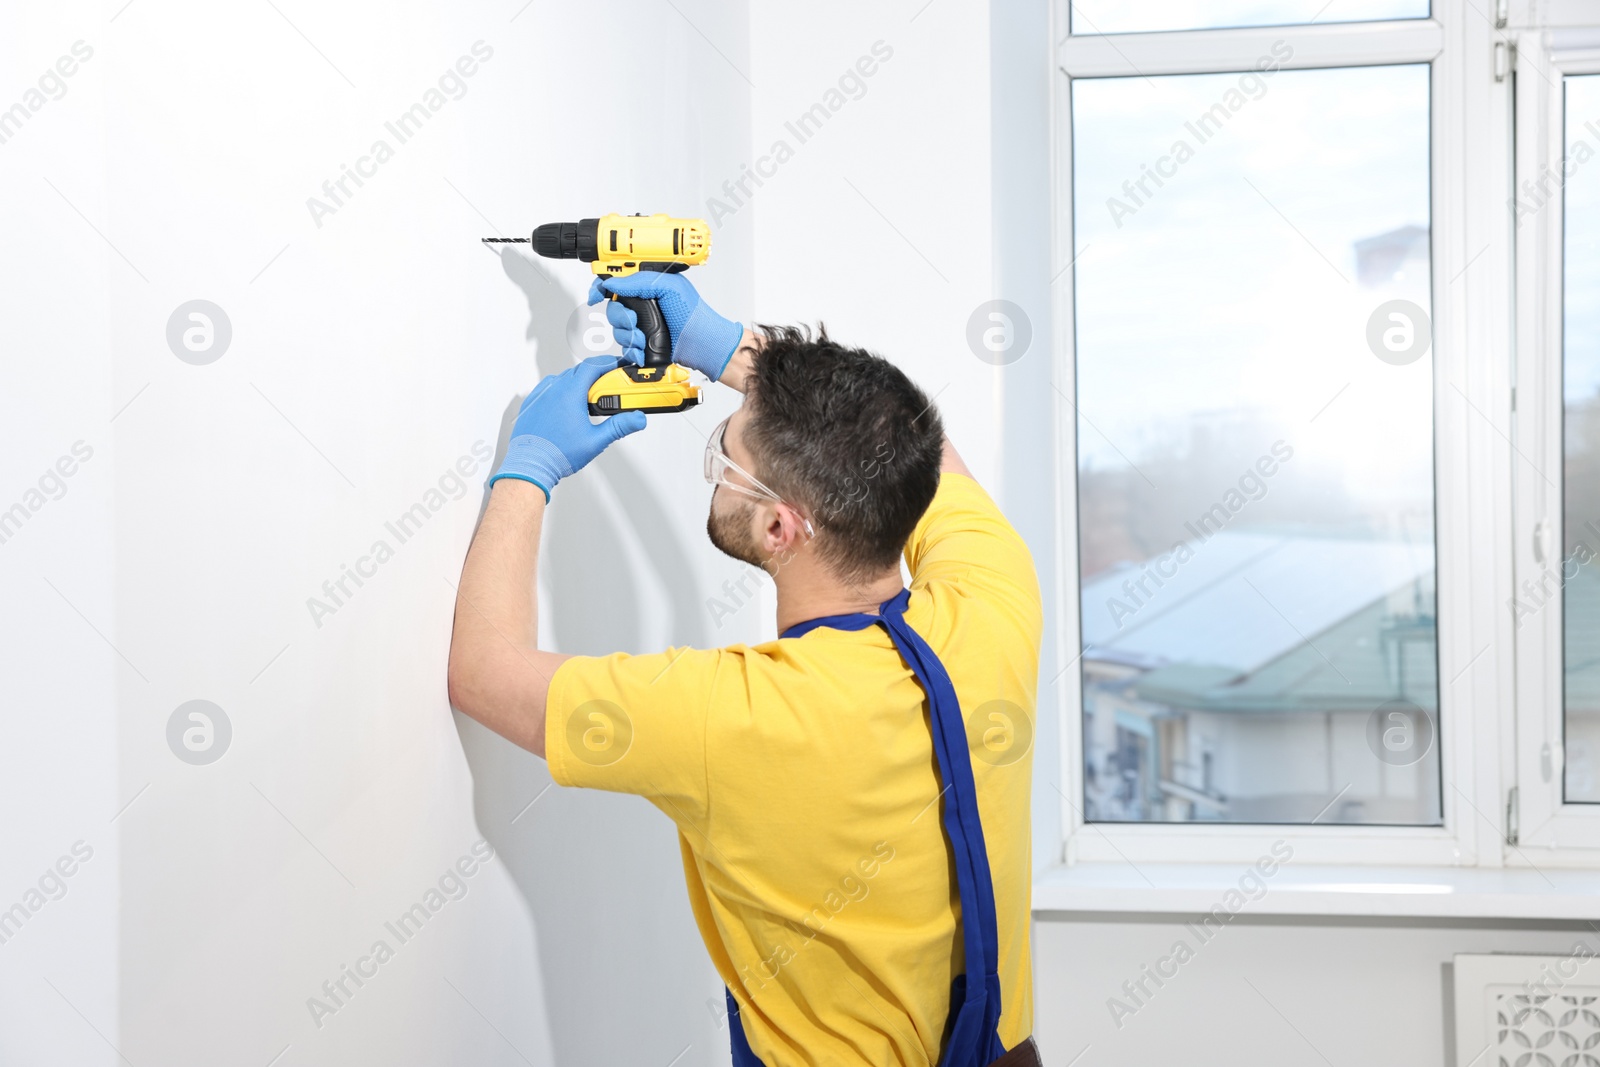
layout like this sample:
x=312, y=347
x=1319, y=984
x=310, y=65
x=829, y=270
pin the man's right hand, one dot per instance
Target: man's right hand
x=552, y=437
x=702, y=340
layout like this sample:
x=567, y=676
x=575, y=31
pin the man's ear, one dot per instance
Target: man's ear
x=785, y=530
x=773, y=535
x=796, y=528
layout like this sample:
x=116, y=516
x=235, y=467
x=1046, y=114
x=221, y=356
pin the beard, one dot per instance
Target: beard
x=730, y=532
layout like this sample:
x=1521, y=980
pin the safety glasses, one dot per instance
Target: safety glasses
x=718, y=463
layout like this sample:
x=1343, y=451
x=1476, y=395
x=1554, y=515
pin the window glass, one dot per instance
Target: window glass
x=1255, y=446
x=1138, y=16
x=1579, y=569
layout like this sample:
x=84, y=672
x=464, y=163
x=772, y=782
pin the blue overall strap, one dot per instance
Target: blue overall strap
x=742, y=1055
x=973, y=1039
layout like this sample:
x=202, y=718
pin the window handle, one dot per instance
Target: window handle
x=1538, y=541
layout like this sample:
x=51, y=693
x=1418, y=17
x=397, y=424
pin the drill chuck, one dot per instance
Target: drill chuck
x=567, y=240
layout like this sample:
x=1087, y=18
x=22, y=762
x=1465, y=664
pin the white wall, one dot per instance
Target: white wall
x=1299, y=993
x=368, y=355
x=58, y=753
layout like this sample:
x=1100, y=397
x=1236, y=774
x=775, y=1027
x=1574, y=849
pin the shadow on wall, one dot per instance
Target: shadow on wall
x=624, y=972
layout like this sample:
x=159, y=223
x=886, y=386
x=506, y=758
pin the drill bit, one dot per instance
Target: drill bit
x=506, y=240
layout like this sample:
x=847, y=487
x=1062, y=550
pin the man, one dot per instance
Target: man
x=852, y=798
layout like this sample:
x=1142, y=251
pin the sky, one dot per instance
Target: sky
x=1582, y=241
x=1233, y=286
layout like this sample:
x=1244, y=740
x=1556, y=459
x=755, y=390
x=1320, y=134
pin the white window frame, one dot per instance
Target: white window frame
x=1472, y=261
x=1558, y=833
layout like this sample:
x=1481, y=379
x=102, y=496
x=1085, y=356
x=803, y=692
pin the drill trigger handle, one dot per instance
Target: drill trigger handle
x=657, y=340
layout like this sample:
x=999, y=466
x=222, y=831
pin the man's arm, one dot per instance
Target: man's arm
x=498, y=676
x=963, y=539
x=740, y=365
x=952, y=461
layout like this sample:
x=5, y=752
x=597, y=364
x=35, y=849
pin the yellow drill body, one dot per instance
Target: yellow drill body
x=622, y=242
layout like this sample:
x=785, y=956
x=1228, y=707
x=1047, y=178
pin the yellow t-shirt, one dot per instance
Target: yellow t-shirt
x=802, y=779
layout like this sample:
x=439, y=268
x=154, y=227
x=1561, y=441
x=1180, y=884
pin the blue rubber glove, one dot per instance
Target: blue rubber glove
x=702, y=340
x=553, y=436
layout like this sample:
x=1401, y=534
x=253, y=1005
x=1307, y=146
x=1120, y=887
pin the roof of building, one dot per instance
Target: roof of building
x=1274, y=622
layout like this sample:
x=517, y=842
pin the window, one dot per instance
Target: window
x=1555, y=601
x=1288, y=348
x=1255, y=473
x=1329, y=377
x=1580, y=338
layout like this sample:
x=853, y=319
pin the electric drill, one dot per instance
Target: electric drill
x=618, y=245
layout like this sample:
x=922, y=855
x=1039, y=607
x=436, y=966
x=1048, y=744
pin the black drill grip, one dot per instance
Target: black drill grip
x=657, y=340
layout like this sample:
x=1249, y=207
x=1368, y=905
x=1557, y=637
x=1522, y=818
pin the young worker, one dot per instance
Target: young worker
x=852, y=798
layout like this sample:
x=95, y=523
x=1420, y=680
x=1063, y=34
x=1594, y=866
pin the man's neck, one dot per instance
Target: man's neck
x=808, y=590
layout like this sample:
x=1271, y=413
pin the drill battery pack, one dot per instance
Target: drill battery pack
x=652, y=390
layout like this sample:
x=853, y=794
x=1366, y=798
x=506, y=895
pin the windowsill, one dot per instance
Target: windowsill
x=1420, y=892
